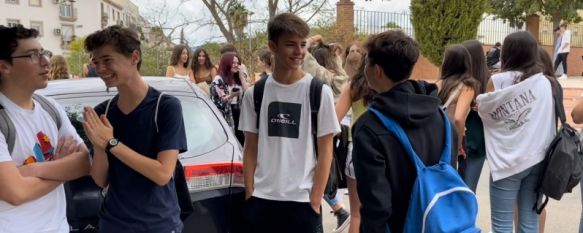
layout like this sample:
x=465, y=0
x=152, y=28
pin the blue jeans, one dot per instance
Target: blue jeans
x=337, y=199
x=503, y=198
x=581, y=221
x=473, y=170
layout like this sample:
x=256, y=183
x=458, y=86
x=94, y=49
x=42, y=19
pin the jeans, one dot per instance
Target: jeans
x=581, y=221
x=337, y=199
x=561, y=59
x=473, y=171
x=503, y=198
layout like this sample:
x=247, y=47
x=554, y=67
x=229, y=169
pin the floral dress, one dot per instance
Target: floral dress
x=220, y=90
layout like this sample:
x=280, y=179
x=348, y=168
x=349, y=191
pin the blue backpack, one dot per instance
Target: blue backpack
x=440, y=200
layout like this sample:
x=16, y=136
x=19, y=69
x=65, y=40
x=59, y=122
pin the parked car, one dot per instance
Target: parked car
x=212, y=165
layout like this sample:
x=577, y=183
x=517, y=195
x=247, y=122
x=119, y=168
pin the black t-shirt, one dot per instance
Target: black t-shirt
x=134, y=203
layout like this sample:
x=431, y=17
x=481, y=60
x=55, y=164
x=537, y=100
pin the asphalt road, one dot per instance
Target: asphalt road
x=562, y=216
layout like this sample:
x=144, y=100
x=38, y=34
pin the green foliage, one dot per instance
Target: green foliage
x=333, y=33
x=439, y=23
x=77, y=56
x=516, y=11
x=392, y=25
x=154, y=61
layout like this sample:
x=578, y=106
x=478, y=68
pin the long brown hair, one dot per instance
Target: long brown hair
x=325, y=56
x=479, y=67
x=58, y=68
x=177, y=53
x=208, y=65
x=359, y=88
x=455, y=70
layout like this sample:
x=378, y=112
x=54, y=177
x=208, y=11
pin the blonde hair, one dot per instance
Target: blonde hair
x=58, y=68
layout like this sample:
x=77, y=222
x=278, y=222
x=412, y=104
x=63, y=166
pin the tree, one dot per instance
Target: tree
x=439, y=23
x=516, y=11
x=77, y=56
x=392, y=25
x=169, y=19
x=231, y=16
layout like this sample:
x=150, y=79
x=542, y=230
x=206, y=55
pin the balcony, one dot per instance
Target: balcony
x=67, y=13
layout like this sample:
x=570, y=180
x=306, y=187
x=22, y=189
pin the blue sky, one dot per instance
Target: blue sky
x=199, y=32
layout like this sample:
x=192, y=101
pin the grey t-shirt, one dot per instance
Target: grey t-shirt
x=286, y=157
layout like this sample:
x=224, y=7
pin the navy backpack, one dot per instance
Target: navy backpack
x=440, y=200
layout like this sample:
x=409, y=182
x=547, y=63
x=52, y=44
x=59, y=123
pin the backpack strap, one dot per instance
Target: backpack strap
x=258, y=89
x=107, y=106
x=50, y=108
x=453, y=96
x=400, y=134
x=156, y=113
x=315, y=99
x=8, y=129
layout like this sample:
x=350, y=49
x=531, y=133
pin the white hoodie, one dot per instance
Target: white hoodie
x=518, y=122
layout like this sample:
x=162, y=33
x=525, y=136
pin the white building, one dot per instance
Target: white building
x=62, y=21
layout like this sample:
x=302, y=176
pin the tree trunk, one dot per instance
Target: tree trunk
x=556, y=23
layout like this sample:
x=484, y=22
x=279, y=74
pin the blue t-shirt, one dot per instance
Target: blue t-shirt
x=134, y=203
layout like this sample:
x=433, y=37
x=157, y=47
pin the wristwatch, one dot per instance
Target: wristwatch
x=111, y=143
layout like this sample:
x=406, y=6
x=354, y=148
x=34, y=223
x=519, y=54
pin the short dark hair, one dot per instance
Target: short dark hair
x=177, y=53
x=497, y=44
x=286, y=23
x=123, y=40
x=265, y=56
x=564, y=25
x=9, y=37
x=395, y=52
x=229, y=48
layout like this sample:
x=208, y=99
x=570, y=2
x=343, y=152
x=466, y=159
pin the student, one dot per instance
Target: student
x=355, y=96
x=334, y=79
x=202, y=67
x=284, y=175
x=457, y=90
x=564, y=49
x=493, y=57
x=384, y=173
x=517, y=138
x=475, y=146
x=88, y=70
x=577, y=115
x=58, y=68
x=136, y=140
x=264, y=63
x=44, y=155
x=178, y=67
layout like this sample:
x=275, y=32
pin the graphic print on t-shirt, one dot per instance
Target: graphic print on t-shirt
x=43, y=150
x=284, y=119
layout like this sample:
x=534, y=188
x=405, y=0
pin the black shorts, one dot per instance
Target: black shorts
x=267, y=216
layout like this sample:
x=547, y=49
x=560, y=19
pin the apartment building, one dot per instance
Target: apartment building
x=62, y=21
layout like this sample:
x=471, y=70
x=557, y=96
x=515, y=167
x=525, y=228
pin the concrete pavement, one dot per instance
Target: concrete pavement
x=562, y=216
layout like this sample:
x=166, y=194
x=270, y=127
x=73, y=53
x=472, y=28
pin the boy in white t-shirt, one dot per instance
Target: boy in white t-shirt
x=32, y=197
x=284, y=179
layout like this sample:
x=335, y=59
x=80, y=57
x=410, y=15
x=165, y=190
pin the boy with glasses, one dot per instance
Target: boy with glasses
x=43, y=154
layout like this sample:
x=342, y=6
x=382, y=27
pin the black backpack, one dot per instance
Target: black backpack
x=315, y=99
x=563, y=164
x=341, y=154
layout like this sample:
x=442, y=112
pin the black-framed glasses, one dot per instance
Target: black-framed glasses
x=36, y=56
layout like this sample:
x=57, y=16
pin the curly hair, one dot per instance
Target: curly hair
x=177, y=53
x=58, y=68
x=194, y=65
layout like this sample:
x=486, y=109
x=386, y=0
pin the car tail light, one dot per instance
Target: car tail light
x=209, y=176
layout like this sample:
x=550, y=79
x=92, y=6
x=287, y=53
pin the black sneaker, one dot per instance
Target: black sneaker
x=343, y=220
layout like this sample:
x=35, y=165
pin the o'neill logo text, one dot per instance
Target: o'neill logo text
x=283, y=118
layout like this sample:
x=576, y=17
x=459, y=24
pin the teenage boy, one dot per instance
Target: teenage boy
x=136, y=140
x=564, y=49
x=384, y=173
x=284, y=177
x=43, y=154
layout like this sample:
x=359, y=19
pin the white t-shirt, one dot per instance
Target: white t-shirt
x=565, y=39
x=36, y=137
x=286, y=158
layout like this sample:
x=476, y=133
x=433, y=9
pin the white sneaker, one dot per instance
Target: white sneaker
x=563, y=76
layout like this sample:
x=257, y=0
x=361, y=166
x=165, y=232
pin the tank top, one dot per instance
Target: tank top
x=176, y=75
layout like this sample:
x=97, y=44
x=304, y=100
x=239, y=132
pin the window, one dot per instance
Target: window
x=67, y=33
x=66, y=9
x=12, y=22
x=12, y=1
x=36, y=3
x=37, y=25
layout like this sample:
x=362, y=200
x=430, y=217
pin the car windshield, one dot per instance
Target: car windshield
x=204, y=132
